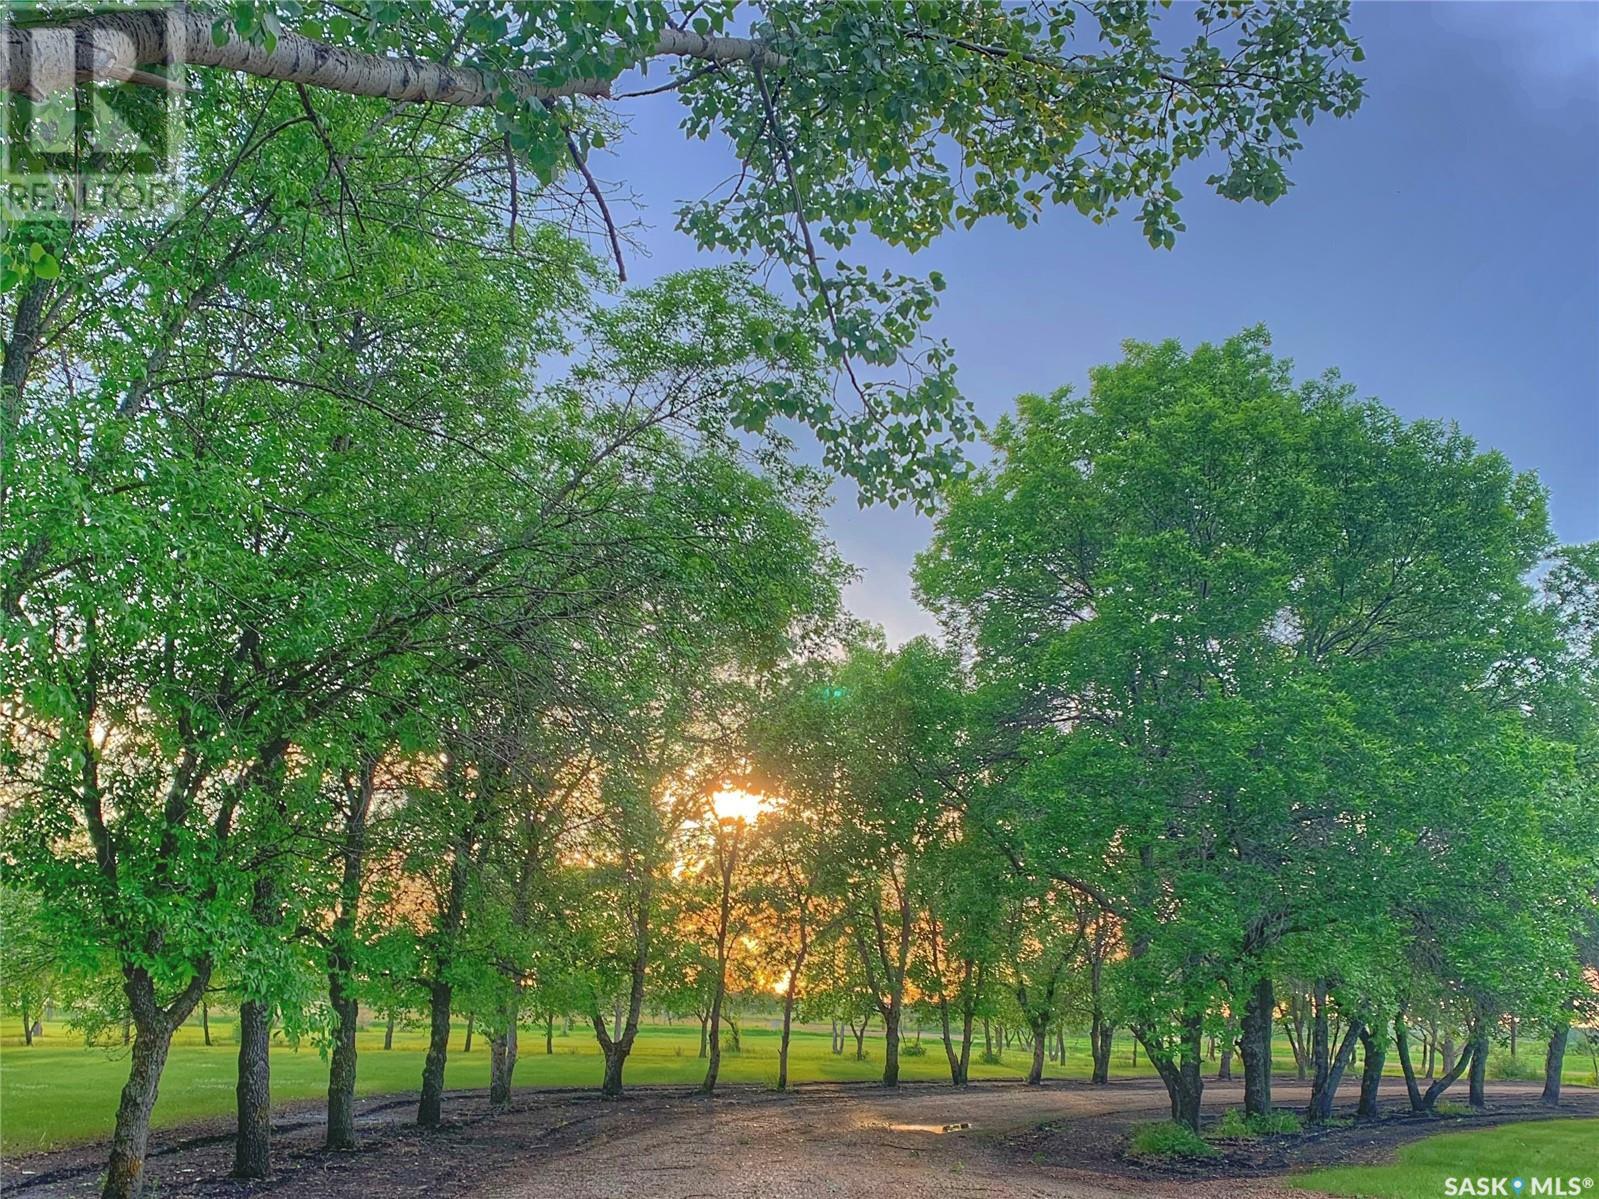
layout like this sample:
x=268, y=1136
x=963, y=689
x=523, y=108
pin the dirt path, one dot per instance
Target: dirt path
x=1063, y=1141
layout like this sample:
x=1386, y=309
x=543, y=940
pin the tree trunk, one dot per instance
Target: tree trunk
x=1402, y=1042
x=252, y=1144
x=341, y=1065
x=125, y=1172
x=1430, y=1099
x=205, y=1024
x=1449, y=1054
x=388, y=1033
x=705, y=1023
x=891, y=1044
x=430, y=1108
x=27, y=1026
x=1185, y=1084
x=341, y=961
x=549, y=1034
x=1329, y=1073
x=860, y=1038
x=1224, y=1068
x=1035, y=1073
x=615, y=1059
x=502, y=1058
x=1553, y=1062
x=1479, y=1071
x=967, y=1017
x=1254, y=1046
x=1100, y=1037
x=1374, y=1043
x=471, y=1019
x=790, y=994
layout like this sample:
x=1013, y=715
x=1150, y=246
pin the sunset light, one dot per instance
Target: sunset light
x=732, y=803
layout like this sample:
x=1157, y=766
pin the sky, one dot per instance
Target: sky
x=1440, y=248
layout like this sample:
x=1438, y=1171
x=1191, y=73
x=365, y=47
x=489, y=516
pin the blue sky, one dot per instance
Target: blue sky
x=1441, y=248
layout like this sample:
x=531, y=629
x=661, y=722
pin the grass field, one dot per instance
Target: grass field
x=1553, y=1149
x=61, y=1092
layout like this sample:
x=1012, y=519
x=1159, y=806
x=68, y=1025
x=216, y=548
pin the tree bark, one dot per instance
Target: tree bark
x=1402, y=1042
x=1184, y=1080
x=1375, y=1045
x=1035, y=1073
x=341, y=1064
x=502, y=1058
x=1254, y=1046
x=205, y=1024
x=1325, y=1087
x=388, y=1033
x=891, y=1044
x=131, y=1136
x=128, y=41
x=1553, y=1062
x=430, y=1108
x=1101, y=1037
x=252, y=1144
x=1429, y=1100
x=790, y=994
x=1479, y=1071
x=471, y=1019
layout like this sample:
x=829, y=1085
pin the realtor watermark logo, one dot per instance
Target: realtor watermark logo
x=86, y=134
x=1520, y=1186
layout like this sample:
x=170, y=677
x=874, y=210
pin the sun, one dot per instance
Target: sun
x=732, y=803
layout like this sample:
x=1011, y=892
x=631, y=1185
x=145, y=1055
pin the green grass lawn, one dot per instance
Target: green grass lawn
x=1563, y=1149
x=61, y=1092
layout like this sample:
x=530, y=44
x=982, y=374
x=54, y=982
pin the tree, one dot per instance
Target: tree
x=1091, y=107
x=1196, y=597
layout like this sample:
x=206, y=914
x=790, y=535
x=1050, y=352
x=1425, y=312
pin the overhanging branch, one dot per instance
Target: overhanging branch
x=41, y=60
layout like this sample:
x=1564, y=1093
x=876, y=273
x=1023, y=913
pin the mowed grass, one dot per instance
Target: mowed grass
x=61, y=1092
x=1553, y=1149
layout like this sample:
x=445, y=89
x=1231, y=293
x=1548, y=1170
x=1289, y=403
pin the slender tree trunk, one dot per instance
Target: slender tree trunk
x=27, y=1026
x=341, y=1065
x=502, y=1057
x=1479, y=1071
x=1330, y=1074
x=860, y=1038
x=430, y=1108
x=205, y=1024
x=1254, y=1046
x=252, y=1144
x=891, y=1044
x=1402, y=1043
x=1429, y=1100
x=988, y=1039
x=471, y=1019
x=1184, y=1078
x=1374, y=1043
x=1100, y=1037
x=1035, y=1073
x=705, y=1024
x=1553, y=1062
x=1449, y=1054
x=549, y=1035
x=1512, y=1036
x=388, y=1033
x=131, y=1135
x=1224, y=1068
x=790, y=994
